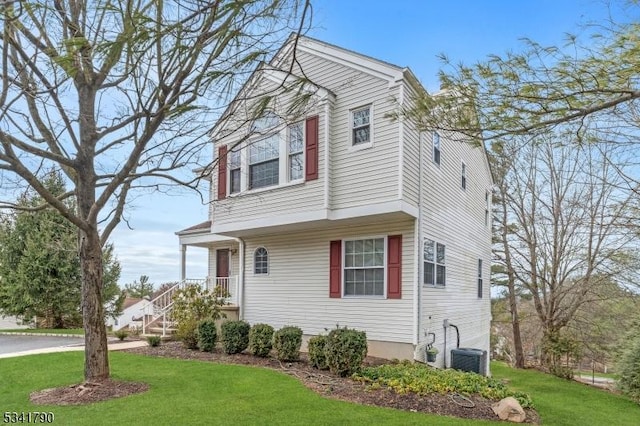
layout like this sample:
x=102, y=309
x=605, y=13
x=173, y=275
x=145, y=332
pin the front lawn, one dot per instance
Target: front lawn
x=191, y=392
x=564, y=402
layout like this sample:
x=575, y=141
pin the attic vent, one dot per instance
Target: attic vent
x=469, y=359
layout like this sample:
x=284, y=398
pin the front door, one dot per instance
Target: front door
x=222, y=263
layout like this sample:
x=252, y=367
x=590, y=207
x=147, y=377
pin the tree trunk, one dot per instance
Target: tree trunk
x=96, y=361
x=515, y=325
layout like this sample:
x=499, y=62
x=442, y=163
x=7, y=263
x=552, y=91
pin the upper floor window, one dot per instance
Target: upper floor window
x=436, y=148
x=434, y=263
x=486, y=208
x=261, y=261
x=235, y=162
x=264, y=162
x=361, y=125
x=480, y=278
x=364, y=267
x=296, y=148
x=463, y=182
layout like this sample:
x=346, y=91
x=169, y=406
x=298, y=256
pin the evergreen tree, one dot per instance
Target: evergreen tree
x=40, y=266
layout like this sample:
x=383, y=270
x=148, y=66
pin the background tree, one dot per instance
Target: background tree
x=568, y=241
x=139, y=289
x=117, y=94
x=40, y=267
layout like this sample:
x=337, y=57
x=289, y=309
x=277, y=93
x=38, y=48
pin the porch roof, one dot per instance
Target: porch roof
x=200, y=227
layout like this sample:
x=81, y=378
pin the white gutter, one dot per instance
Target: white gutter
x=241, y=250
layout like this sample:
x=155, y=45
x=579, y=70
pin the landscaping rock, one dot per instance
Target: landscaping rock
x=509, y=409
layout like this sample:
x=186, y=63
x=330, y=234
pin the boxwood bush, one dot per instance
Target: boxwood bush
x=260, y=337
x=345, y=350
x=317, y=356
x=235, y=336
x=287, y=342
x=207, y=335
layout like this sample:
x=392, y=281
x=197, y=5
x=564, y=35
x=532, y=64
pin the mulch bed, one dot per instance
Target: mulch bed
x=332, y=386
x=87, y=392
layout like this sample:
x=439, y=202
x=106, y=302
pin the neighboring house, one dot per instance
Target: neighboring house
x=324, y=211
x=131, y=316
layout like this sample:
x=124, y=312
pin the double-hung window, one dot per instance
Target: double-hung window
x=436, y=148
x=364, y=267
x=463, y=182
x=235, y=164
x=480, y=278
x=296, y=148
x=486, y=208
x=361, y=126
x=434, y=263
x=264, y=162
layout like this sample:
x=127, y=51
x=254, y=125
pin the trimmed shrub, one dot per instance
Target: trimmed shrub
x=317, y=356
x=260, y=337
x=235, y=336
x=207, y=335
x=121, y=334
x=187, y=333
x=345, y=350
x=287, y=342
x=154, y=340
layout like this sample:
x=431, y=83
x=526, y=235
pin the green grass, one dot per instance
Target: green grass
x=562, y=402
x=191, y=392
x=194, y=392
x=79, y=331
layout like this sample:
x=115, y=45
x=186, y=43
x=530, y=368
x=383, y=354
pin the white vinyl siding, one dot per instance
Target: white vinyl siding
x=358, y=176
x=297, y=288
x=456, y=222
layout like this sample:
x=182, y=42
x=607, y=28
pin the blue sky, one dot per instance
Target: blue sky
x=403, y=32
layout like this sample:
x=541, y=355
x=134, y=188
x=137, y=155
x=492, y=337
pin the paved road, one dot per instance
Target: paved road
x=10, y=344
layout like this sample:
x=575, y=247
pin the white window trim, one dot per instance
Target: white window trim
x=433, y=148
x=304, y=152
x=361, y=146
x=384, y=261
x=463, y=176
x=435, y=263
x=479, y=278
x=254, y=262
x=283, y=161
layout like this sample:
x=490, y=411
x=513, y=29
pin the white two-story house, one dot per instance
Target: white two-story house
x=325, y=211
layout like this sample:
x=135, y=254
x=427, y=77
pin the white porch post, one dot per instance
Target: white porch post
x=183, y=262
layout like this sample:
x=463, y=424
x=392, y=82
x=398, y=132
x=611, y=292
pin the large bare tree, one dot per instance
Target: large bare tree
x=566, y=210
x=118, y=94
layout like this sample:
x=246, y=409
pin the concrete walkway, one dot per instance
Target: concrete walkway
x=113, y=346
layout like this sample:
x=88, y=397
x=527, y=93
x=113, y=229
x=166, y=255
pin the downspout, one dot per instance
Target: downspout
x=326, y=155
x=241, y=262
x=417, y=303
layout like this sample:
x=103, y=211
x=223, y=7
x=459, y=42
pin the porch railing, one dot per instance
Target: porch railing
x=226, y=287
x=161, y=306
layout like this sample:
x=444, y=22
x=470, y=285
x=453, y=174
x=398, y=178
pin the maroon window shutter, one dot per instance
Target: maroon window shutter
x=394, y=267
x=311, y=154
x=335, y=269
x=222, y=172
